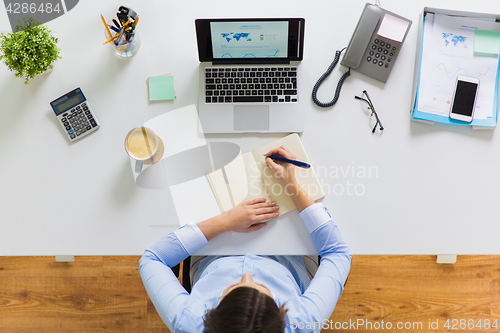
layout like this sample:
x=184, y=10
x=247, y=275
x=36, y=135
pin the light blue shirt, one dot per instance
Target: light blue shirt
x=309, y=303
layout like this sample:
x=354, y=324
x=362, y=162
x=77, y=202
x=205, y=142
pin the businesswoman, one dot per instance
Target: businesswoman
x=250, y=293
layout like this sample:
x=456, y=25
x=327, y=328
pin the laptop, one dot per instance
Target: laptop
x=250, y=75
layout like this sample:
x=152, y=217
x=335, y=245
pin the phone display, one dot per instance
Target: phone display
x=464, y=98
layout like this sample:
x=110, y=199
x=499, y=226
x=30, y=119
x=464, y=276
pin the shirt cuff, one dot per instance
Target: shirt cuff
x=191, y=237
x=314, y=216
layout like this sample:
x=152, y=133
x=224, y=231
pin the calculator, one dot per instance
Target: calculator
x=75, y=115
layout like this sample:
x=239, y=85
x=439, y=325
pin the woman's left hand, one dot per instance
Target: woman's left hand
x=248, y=216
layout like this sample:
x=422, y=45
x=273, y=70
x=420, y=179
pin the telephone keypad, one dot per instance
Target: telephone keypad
x=381, y=53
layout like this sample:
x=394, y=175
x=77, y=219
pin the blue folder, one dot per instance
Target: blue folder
x=419, y=115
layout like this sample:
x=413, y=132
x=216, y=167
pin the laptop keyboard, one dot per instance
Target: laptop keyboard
x=246, y=85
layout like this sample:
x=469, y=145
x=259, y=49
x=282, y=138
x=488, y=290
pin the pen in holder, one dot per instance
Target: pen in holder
x=121, y=32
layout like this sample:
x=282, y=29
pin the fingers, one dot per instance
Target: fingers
x=282, y=151
x=255, y=201
x=267, y=210
x=255, y=227
x=268, y=216
x=271, y=163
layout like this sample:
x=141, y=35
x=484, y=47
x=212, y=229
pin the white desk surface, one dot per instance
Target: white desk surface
x=420, y=189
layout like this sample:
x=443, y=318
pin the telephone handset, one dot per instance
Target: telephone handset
x=376, y=42
x=372, y=50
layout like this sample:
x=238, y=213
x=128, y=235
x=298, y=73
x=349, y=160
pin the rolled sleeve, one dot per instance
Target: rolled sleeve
x=191, y=237
x=314, y=216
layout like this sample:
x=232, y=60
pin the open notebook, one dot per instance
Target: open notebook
x=247, y=177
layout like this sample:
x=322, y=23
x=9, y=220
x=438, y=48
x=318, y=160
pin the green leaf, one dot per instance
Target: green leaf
x=29, y=52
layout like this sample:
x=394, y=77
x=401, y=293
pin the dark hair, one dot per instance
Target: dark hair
x=246, y=310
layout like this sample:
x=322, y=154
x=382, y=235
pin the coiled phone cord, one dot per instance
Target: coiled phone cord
x=324, y=76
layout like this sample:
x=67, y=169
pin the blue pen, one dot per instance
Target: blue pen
x=286, y=160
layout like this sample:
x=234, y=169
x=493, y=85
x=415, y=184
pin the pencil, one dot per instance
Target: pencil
x=106, y=25
x=109, y=40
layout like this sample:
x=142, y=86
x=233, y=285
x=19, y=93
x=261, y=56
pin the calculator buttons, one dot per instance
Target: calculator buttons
x=77, y=120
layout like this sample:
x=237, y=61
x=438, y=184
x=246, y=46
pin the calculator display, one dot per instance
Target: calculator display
x=69, y=103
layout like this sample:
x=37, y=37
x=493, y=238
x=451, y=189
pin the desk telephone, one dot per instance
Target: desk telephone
x=373, y=48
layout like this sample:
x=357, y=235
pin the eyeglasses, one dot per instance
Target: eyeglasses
x=372, y=108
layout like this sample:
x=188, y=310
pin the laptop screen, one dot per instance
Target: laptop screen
x=250, y=40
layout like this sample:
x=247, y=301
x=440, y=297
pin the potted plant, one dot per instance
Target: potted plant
x=30, y=50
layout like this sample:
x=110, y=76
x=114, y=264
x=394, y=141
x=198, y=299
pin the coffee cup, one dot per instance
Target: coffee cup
x=141, y=144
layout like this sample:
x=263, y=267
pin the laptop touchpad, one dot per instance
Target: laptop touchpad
x=251, y=117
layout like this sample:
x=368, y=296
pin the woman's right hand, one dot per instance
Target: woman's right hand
x=284, y=172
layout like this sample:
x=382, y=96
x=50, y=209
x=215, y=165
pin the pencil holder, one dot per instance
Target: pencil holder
x=126, y=46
